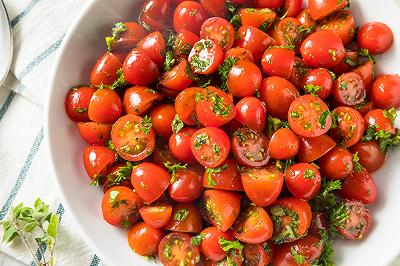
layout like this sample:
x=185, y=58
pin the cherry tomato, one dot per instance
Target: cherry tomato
x=253, y=226
x=278, y=61
x=157, y=9
x=238, y=54
x=251, y=113
x=77, y=103
x=216, y=8
x=370, y=155
x=349, y=61
x=177, y=79
x=161, y=117
x=262, y=185
x=120, y=206
x=268, y=3
x=366, y=72
x=287, y=32
x=305, y=19
x=244, y=79
x=154, y=46
x=97, y=161
x=359, y=222
x=290, y=213
x=323, y=48
x=189, y=15
x=320, y=9
x=206, y=56
x=149, y=23
x=185, y=218
x=225, y=177
x=278, y=94
x=127, y=39
x=300, y=70
x=359, y=186
x=144, y=239
x=312, y=149
x=254, y=40
x=105, y=70
x=176, y=249
x=380, y=120
x=138, y=99
x=94, y=133
x=105, y=106
x=303, y=180
x=179, y=145
x=349, y=89
x=343, y=24
x=377, y=37
x=385, y=92
x=257, y=255
x=210, y=246
x=293, y=7
x=139, y=69
x=210, y=146
x=117, y=176
x=184, y=42
x=219, y=30
x=350, y=126
x=319, y=81
x=256, y=17
x=131, y=139
x=221, y=208
x=185, y=105
x=337, y=163
x=186, y=186
x=157, y=215
x=284, y=144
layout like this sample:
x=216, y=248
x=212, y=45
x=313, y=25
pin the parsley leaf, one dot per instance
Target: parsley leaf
x=385, y=138
x=390, y=114
x=118, y=29
x=120, y=81
x=274, y=124
x=283, y=165
x=196, y=240
x=224, y=69
x=326, y=199
x=311, y=88
x=338, y=217
x=172, y=168
x=228, y=246
x=298, y=258
x=322, y=119
x=211, y=171
x=309, y=174
x=177, y=124
x=357, y=166
x=169, y=61
x=365, y=53
x=146, y=125
x=181, y=215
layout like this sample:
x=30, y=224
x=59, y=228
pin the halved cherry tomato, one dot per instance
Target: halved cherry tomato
x=177, y=78
x=320, y=9
x=221, y=208
x=210, y=246
x=350, y=126
x=97, y=161
x=105, y=70
x=385, y=92
x=258, y=255
x=253, y=226
x=256, y=17
x=184, y=42
x=219, y=30
x=139, y=69
x=216, y=8
x=176, y=249
x=305, y=19
x=380, y=120
x=287, y=32
x=94, y=133
x=131, y=139
x=370, y=155
x=244, y=79
x=185, y=105
x=349, y=89
x=268, y=3
x=312, y=149
x=144, y=239
x=251, y=113
x=319, y=81
x=210, y=146
x=366, y=72
x=254, y=40
x=293, y=7
x=359, y=186
x=337, y=163
x=342, y=23
x=118, y=175
x=105, y=106
x=284, y=144
x=77, y=103
x=319, y=222
x=377, y=37
x=161, y=117
x=138, y=99
x=293, y=214
x=303, y=180
x=206, y=56
x=186, y=186
x=225, y=177
x=278, y=61
x=128, y=39
x=179, y=145
x=359, y=222
x=157, y=215
x=238, y=54
x=262, y=185
x=300, y=70
x=120, y=206
x=185, y=218
x=154, y=46
x=189, y=15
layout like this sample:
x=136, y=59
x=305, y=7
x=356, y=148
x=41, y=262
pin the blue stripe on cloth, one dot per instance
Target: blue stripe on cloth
x=24, y=12
x=22, y=175
x=42, y=56
x=6, y=104
x=95, y=261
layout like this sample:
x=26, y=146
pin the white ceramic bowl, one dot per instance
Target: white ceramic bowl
x=85, y=43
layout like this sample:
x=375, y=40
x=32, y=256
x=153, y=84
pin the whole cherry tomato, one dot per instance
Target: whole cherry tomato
x=105, y=106
x=139, y=69
x=239, y=53
x=144, y=239
x=216, y=8
x=77, y=103
x=244, y=79
x=186, y=185
x=128, y=34
x=179, y=145
x=210, y=246
x=251, y=113
x=385, y=92
x=303, y=180
x=189, y=15
x=293, y=7
x=320, y=82
x=320, y=9
x=254, y=40
x=278, y=61
x=337, y=163
x=268, y=3
x=377, y=37
x=225, y=177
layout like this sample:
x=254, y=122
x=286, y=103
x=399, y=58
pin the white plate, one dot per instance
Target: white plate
x=85, y=43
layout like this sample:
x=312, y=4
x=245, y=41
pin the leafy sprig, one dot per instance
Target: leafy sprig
x=385, y=138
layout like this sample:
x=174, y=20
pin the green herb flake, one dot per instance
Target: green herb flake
x=177, y=124
x=120, y=81
x=81, y=110
x=146, y=125
x=216, y=149
x=200, y=140
x=118, y=29
x=223, y=71
x=181, y=215
x=365, y=53
x=312, y=89
x=390, y=114
x=309, y=174
x=169, y=61
x=295, y=114
x=172, y=168
x=196, y=240
x=228, y=246
x=298, y=258
x=357, y=166
x=323, y=118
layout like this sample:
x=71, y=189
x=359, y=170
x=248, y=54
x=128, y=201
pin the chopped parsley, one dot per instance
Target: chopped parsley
x=365, y=53
x=120, y=81
x=118, y=29
x=198, y=63
x=228, y=246
x=196, y=240
x=357, y=166
x=233, y=16
x=200, y=140
x=211, y=171
x=146, y=125
x=216, y=149
x=390, y=114
x=283, y=165
x=385, y=138
x=333, y=54
x=326, y=199
x=169, y=61
x=309, y=174
x=295, y=114
x=177, y=124
x=322, y=119
x=172, y=168
x=81, y=109
x=298, y=258
x=274, y=124
x=311, y=88
x=223, y=71
x=181, y=215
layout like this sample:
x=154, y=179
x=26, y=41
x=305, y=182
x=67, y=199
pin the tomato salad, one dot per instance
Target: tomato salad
x=238, y=132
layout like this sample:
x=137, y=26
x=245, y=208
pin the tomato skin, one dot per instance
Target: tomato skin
x=336, y=164
x=378, y=119
x=257, y=255
x=278, y=94
x=139, y=99
x=349, y=89
x=343, y=24
x=185, y=105
x=189, y=15
x=254, y=40
x=359, y=186
x=293, y=7
x=287, y=32
x=262, y=185
x=385, y=92
x=348, y=118
x=105, y=106
x=123, y=209
x=366, y=72
x=157, y=9
x=268, y=3
x=162, y=116
x=278, y=62
x=377, y=37
x=305, y=18
x=77, y=103
x=226, y=178
x=323, y=48
x=149, y=181
x=156, y=215
x=370, y=155
x=105, y=70
x=150, y=23
x=256, y=17
x=184, y=42
x=187, y=186
x=244, y=79
x=319, y=9
x=179, y=145
x=176, y=79
x=139, y=69
x=284, y=144
x=128, y=40
x=323, y=79
x=303, y=180
x=192, y=223
x=215, y=8
x=221, y=208
x=253, y=226
x=359, y=222
x=182, y=251
x=154, y=46
x=239, y=53
x=94, y=133
x=144, y=239
x=219, y=30
x=312, y=149
x=210, y=246
x=251, y=113
x=97, y=161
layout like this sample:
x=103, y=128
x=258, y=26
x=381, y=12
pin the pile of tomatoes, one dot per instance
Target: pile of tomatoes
x=238, y=132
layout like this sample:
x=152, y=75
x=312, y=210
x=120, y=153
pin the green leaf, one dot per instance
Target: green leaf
x=38, y=202
x=365, y=53
x=309, y=174
x=29, y=227
x=196, y=240
x=200, y=140
x=326, y=199
x=357, y=166
x=211, y=171
x=181, y=215
x=322, y=119
x=9, y=234
x=327, y=256
x=146, y=125
x=177, y=124
x=311, y=88
x=53, y=226
x=274, y=124
x=118, y=29
x=298, y=258
x=17, y=210
x=228, y=245
x=169, y=61
x=338, y=217
x=223, y=71
x=390, y=114
x=120, y=81
x=172, y=168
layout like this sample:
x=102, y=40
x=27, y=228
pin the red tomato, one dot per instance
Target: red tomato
x=77, y=103
x=127, y=39
x=256, y=17
x=162, y=154
x=210, y=246
x=251, y=113
x=139, y=69
x=149, y=23
x=319, y=81
x=287, y=32
x=342, y=23
x=189, y=15
x=319, y=222
x=366, y=72
x=258, y=255
x=349, y=89
x=154, y=46
x=350, y=126
x=370, y=155
x=156, y=215
x=305, y=19
x=359, y=186
x=359, y=222
x=293, y=213
x=244, y=79
x=254, y=40
x=309, y=116
x=186, y=186
x=380, y=120
x=118, y=175
x=97, y=161
x=179, y=145
x=239, y=53
x=250, y=147
x=253, y=226
x=303, y=180
x=94, y=133
x=284, y=144
x=323, y=48
x=144, y=239
x=184, y=42
x=320, y=9
x=120, y=206
x=105, y=106
x=219, y=30
x=385, y=92
x=262, y=185
x=132, y=140
x=225, y=177
x=185, y=105
x=161, y=117
x=216, y=8
x=349, y=61
x=176, y=249
x=177, y=79
x=293, y=7
x=105, y=70
x=221, y=208
x=269, y=3
x=312, y=149
x=185, y=218
x=278, y=61
x=300, y=70
x=210, y=146
x=377, y=37
x=157, y=9
x=337, y=163
x=278, y=94
x=138, y=100
x=206, y=56
x=150, y=181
